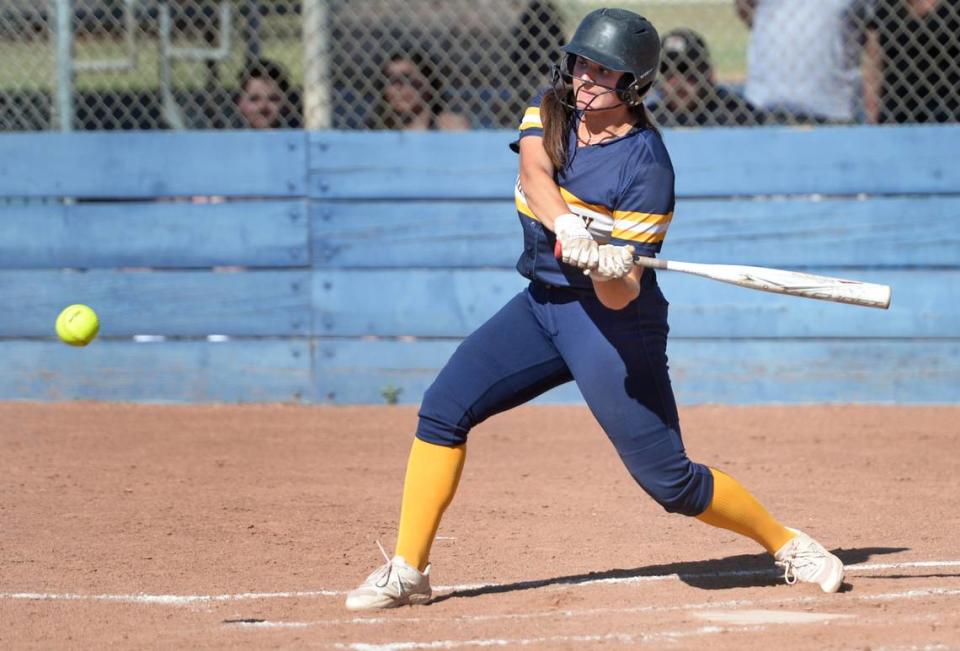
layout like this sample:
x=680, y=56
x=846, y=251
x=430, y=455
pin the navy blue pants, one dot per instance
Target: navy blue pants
x=546, y=336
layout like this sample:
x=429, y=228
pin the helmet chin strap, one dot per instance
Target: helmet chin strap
x=598, y=96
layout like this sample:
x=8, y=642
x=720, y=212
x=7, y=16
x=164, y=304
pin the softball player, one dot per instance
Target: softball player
x=595, y=177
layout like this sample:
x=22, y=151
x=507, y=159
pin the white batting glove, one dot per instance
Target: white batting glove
x=577, y=246
x=614, y=262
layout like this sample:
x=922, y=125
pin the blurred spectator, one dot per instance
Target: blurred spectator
x=490, y=54
x=912, y=69
x=687, y=92
x=265, y=100
x=527, y=57
x=410, y=98
x=533, y=42
x=804, y=57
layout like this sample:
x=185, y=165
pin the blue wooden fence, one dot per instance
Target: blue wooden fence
x=345, y=267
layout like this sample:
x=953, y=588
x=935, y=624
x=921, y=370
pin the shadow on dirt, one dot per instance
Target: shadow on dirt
x=745, y=570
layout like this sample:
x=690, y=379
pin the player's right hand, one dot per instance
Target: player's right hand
x=615, y=262
x=577, y=246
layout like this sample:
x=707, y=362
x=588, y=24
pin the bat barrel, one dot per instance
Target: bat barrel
x=780, y=281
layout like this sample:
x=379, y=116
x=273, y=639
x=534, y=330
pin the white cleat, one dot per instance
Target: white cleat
x=804, y=559
x=395, y=583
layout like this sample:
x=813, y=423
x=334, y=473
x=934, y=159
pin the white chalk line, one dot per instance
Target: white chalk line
x=185, y=600
x=806, y=600
x=270, y=624
x=167, y=599
x=850, y=570
x=661, y=636
x=624, y=638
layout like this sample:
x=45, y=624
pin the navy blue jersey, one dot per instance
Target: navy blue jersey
x=623, y=188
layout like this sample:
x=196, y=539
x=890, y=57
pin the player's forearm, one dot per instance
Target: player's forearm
x=543, y=196
x=617, y=294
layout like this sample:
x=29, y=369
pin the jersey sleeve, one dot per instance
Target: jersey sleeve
x=530, y=122
x=645, y=208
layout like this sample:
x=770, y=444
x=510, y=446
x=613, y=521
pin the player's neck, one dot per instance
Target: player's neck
x=598, y=126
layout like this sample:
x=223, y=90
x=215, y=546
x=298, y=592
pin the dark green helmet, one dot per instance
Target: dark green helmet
x=618, y=40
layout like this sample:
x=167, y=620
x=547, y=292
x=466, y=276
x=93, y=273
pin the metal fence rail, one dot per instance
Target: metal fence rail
x=374, y=64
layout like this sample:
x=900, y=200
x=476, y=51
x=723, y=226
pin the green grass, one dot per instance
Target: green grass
x=725, y=34
x=29, y=64
x=26, y=65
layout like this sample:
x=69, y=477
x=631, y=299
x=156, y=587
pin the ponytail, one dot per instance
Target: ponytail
x=557, y=116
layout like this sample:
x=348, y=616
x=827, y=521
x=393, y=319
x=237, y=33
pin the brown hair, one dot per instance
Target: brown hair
x=264, y=69
x=383, y=116
x=557, y=117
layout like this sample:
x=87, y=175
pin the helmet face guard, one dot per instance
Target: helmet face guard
x=618, y=40
x=627, y=89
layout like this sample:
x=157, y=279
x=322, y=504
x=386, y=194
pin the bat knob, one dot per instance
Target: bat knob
x=557, y=250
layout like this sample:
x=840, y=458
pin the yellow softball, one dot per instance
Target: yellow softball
x=77, y=325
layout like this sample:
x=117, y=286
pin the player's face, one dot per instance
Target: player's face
x=260, y=103
x=405, y=87
x=592, y=84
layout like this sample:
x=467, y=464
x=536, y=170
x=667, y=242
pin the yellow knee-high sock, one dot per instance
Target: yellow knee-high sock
x=433, y=472
x=734, y=508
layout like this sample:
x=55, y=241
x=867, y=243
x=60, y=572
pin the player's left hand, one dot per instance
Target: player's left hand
x=614, y=262
x=576, y=245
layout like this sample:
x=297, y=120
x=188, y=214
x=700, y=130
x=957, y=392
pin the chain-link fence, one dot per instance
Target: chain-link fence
x=448, y=64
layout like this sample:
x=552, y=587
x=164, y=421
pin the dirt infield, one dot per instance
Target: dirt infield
x=224, y=526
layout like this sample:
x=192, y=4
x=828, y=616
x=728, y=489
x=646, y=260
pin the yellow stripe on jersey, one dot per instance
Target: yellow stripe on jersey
x=531, y=119
x=584, y=209
x=575, y=204
x=644, y=227
x=521, y=201
x=522, y=206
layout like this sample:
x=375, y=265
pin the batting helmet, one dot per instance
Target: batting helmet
x=618, y=40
